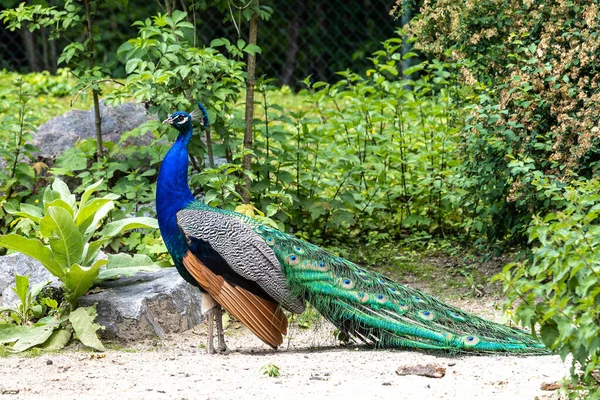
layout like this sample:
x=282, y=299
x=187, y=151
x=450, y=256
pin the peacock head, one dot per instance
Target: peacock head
x=181, y=120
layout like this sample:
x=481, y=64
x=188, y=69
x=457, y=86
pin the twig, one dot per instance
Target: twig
x=92, y=84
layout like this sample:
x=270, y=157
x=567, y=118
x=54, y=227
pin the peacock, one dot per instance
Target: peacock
x=255, y=272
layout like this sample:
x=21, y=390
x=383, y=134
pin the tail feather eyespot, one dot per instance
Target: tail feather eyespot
x=293, y=259
x=470, y=340
x=347, y=283
x=427, y=315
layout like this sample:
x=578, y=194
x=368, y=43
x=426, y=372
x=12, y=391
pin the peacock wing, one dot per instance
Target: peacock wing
x=239, y=270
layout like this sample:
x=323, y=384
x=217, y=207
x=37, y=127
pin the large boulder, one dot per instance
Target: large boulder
x=61, y=133
x=146, y=305
x=20, y=264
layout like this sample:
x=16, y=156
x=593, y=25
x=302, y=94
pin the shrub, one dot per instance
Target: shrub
x=558, y=287
x=535, y=64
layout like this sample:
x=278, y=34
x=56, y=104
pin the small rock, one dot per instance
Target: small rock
x=49, y=362
x=387, y=383
x=451, y=364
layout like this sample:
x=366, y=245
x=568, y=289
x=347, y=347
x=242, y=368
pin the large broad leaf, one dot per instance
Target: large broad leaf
x=82, y=320
x=64, y=237
x=64, y=192
x=32, y=336
x=98, y=216
x=50, y=195
x=124, y=225
x=58, y=339
x=126, y=265
x=27, y=210
x=92, y=249
x=10, y=333
x=79, y=280
x=35, y=249
x=59, y=203
x=86, y=215
x=88, y=192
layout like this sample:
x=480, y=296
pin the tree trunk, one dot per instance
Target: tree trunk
x=95, y=91
x=250, y=103
x=409, y=12
x=30, y=50
x=292, y=51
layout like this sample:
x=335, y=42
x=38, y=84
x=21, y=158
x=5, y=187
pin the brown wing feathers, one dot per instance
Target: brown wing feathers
x=264, y=318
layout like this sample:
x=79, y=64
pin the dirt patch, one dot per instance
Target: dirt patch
x=311, y=365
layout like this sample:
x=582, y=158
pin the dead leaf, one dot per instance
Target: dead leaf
x=428, y=370
x=550, y=386
x=39, y=167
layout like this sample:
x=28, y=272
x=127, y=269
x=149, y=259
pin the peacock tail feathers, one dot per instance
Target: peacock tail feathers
x=375, y=310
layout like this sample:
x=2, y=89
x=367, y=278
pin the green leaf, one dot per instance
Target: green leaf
x=252, y=49
x=219, y=42
x=35, y=249
x=79, y=280
x=58, y=339
x=37, y=288
x=549, y=334
x=82, y=320
x=33, y=336
x=21, y=288
x=63, y=190
x=412, y=70
x=27, y=210
x=65, y=239
x=126, y=265
x=92, y=249
x=85, y=216
x=61, y=204
x=10, y=333
x=124, y=225
x=88, y=192
x=98, y=216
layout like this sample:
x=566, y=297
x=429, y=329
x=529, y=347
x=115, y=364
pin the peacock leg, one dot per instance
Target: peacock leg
x=210, y=316
x=220, y=333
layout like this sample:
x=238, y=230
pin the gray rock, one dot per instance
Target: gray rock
x=61, y=133
x=20, y=264
x=146, y=305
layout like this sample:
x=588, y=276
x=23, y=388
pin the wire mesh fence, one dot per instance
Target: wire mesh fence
x=301, y=38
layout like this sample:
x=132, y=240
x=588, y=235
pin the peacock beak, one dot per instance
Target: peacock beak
x=168, y=121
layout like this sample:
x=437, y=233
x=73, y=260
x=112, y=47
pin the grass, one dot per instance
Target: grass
x=444, y=271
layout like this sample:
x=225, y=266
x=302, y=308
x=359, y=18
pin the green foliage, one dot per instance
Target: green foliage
x=77, y=55
x=32, y=305
x=83, y=324
x=364, y=154
x=71, y=236
x=18, y=178
x=533, y=66
x=165, y=70
x=558, y=287
x=270, y=370
x=38, y=321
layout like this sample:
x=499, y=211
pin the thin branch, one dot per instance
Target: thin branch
x=90, y=85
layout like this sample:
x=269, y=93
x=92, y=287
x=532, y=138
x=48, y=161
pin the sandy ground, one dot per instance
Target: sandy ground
x=310, y=363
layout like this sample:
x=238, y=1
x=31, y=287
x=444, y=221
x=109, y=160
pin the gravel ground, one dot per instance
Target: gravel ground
x=310, y=363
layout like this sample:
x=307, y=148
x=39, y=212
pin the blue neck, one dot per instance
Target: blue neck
x=172, y=191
